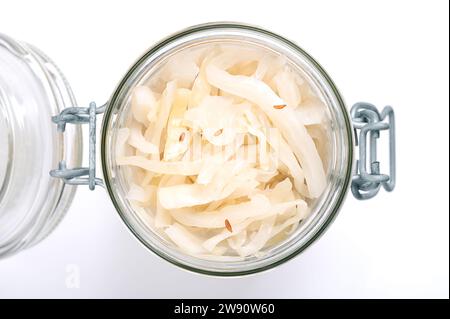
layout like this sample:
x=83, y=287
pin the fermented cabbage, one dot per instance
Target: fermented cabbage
x=224, y=150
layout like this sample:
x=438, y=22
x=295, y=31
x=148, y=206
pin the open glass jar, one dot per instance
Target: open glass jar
x=26, y=128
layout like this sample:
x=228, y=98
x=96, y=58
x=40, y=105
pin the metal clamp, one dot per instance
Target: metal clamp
x=369, y=121
x=82, y=175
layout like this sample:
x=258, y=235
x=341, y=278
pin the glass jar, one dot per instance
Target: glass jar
x=32, y=90
x=47, y=93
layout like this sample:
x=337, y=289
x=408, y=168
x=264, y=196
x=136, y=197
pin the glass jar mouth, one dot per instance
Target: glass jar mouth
x=343, y=149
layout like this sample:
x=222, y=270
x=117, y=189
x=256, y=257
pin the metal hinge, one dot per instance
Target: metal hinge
x=81, y=175
x=369, y=122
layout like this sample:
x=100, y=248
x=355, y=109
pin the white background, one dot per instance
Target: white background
x=385, y=52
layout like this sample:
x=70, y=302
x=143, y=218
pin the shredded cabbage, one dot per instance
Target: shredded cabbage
x=224, y=150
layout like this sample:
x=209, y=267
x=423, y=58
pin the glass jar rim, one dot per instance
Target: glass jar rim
x=123, y=86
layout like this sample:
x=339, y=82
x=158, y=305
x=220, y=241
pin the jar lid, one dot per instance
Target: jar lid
x=32, y=90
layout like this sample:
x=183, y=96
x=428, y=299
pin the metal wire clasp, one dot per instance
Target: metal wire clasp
x=82, y=175
x=368, y=121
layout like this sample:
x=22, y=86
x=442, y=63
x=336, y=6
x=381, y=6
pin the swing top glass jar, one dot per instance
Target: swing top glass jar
x=65, y=152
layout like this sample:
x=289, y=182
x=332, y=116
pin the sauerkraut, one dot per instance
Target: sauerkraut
x=224, y=150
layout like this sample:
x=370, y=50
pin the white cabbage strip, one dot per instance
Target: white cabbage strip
x=224, y=150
